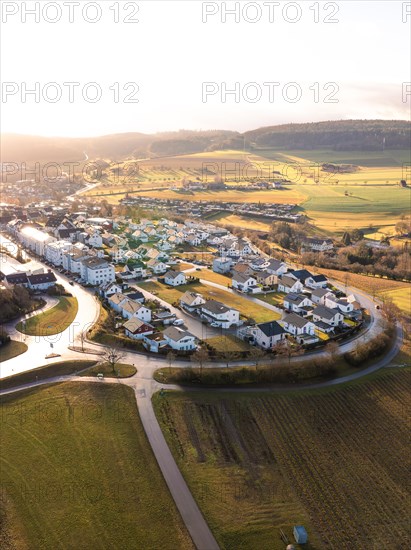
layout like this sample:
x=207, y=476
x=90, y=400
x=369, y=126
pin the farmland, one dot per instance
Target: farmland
x=335, y=460
x=401, y=298
x=78, y=472
x=246, y=307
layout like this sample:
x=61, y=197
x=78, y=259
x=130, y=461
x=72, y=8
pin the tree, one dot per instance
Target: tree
x=256, y=355
x=82, y=339
x=112, y=356
x=171, y=357
x=332, y=350
x=287, y=348
x=200, y=356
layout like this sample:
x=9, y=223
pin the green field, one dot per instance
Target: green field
x=77, y=472
x=334, y=460
x=246, y=307
x=11, y=349
x=54, y=320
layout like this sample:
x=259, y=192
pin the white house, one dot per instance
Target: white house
x=318, y=245
x=35, y=239
x=267, y=335
x=175, y=278
x=289, y=284
x=276, y=267
x=130, y=309
x=108, y=289
x=190, y=301
x=154, y=342
x=219, y=314
x=41, y=281
x=116, y=301
x=319, y=295
x=297, y=325
x=316, y=281
x=96, y=271
x=158, y=267
x=296, y=302
x=332, y=317
x=137, y=329
x=179, y=339
x=222, y=265
x=243, y=283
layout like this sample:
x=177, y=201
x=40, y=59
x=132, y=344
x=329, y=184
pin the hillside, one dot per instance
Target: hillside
x=343, y=135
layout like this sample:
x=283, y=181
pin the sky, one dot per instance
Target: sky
x=112, y=66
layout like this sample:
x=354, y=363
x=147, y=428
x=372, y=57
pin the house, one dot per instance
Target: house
x=297, y=325
x=179, y=339
x=108, y=289
x=316, y=281
x=54, y=251
x=318, y=296
x=130, y=309
x=154, y=342
x=222, y=265
x=289, y=284
x=301, y=275
x=266, y=278
x=235, y=248
x=267, y=335
x=158, y=267
x=96, y=271
x=137, y=329
x=175, y=278
x=297, y=303
x=276, y=267
x=115, y=301
x=190, y=301
x=137, y=296
x=243, y=283
x=243, y=268
x=219, y=314
x=318, y=245
x=34, y=239
x=17, y=279
x=258, y=263
x=332, y=317
x=41, y=281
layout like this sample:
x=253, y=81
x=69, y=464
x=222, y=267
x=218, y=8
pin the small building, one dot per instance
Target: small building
x=190, y=301
x=179, y=339
x=41, y=281
x=243, y=283
x=300, y=534
x=137, y=329
x=222, y=265
x=175, y=278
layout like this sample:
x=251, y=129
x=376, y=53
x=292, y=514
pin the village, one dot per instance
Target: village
x=156, y=277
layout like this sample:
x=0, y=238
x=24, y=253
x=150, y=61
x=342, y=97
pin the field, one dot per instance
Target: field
x=367, y=198
x=11, y=349
x=334, y=460
x=375, y=286
x=245, y=222
x=273, y=298
x=245, y=307
x=77, y=472
x=124, y=370
x=228, y=342
x=212, y=276
x=52, y=321
x=401, y=298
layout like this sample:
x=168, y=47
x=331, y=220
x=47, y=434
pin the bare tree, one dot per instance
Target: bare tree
x=332, y=349
x=82, y=339
x=256, y=355
x=200, y=356
x=113, y=356
x=171, y=357
x=287, y=348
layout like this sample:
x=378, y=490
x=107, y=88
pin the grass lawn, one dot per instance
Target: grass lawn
x=78, y=472
x=273, y=298
x=62, y=368
x=260, y=462
x=52, y=321
x=372, y=285
x=125, y=370
x=11, y=349
x=228, y=342
x=209, y=275
x=246, y=307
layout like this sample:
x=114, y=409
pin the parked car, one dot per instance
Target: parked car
x=71, y=283
x=178, y=322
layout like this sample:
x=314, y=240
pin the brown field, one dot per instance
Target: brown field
x=371, y=285
x=335, y=460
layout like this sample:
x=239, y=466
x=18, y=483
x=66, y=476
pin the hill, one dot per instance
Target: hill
x=342, y=135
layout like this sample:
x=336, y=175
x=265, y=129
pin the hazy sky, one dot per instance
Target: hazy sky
x=285, y=70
